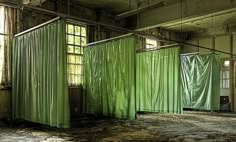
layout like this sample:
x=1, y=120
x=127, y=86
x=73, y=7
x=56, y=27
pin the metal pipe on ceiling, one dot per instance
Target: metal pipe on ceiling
x=141, y=9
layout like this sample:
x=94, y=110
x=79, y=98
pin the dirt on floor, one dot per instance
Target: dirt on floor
x=188, y=127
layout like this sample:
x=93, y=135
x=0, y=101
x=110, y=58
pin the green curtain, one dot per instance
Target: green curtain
x=40, y=91
x=109, y=81
x=201, y=81
x=158, y=81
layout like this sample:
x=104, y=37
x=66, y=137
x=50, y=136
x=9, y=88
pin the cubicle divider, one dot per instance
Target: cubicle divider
x=200, y=80
x=118, y=80
x=39, y=84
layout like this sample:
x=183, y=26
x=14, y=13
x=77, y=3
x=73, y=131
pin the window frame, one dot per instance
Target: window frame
x=76, y=72
x=224, y=79
x=2, y=43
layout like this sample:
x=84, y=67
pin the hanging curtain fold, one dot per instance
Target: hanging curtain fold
x=109, y=70
x=158, y=81
x=40, y=91
x=201, y=81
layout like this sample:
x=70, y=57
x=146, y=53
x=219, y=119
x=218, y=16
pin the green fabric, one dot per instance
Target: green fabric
x=201, y=81
x=158, y=81
x=40, y=91
x=109, y=70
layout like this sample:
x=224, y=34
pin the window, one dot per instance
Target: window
x=2, y=44
x=225, y=75
x=76, y=39
x=151, y=43
x=8, y=27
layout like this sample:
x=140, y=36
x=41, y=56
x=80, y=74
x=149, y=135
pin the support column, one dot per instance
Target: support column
x=232, y=80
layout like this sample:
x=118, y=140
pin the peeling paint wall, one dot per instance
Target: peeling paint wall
x=4, y=103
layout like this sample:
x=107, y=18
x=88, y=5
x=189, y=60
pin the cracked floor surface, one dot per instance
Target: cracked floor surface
x=189, y=127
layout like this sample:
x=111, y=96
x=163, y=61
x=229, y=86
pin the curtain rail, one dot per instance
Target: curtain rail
x=213, y=50
x=117, y=37
x=155, y=49
x=194, y=53
x=109, y=39
x=36, y=27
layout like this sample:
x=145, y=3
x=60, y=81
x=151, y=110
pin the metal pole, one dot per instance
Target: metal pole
x=34, y=28
x=105, y=40
x=213, y=50
x=155, y=49
x=194, y=53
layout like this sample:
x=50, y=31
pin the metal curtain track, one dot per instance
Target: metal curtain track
x=36, y=27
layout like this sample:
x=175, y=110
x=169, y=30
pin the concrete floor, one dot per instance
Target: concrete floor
x=189, y=127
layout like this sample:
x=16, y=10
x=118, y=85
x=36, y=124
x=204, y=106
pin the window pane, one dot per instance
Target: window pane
x=83, y=41
x=68, y=77
x=2, y=19
x=1, y=40
x=79, y=60
x=221, y=84
x=82, y=50
x=70, y=29
x=72, y=69
x=77, y=30
x=151, y=43
x=77, y=50
x=77, y=82
x=226, y=83
x=225, y=74
x=70, y=49
x=73, y=80
x=79, y=70
x=77, y=40
x=80, y=79
x=1, y=54
x=70, y=39
x=83, y=31
x=71, y=59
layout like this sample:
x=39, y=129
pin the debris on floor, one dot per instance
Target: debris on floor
x=191, y=126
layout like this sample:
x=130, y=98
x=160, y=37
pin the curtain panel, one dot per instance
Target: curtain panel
x=40, y=91
x=201, y=81
x=109, y=70
x=158, y=81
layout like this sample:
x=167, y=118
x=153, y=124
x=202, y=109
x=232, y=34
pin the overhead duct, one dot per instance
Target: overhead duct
x=33, y=2
x=141, y=9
